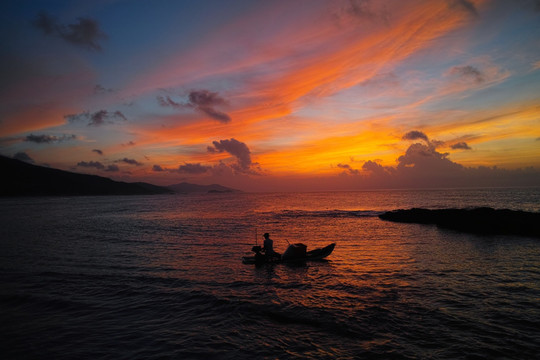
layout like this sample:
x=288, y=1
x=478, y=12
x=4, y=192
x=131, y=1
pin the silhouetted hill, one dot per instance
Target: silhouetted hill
x=184, y=188
x=478, y=220
x=23, y=179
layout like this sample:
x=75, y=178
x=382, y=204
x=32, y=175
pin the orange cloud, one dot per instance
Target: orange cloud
x=314, y=56
x=310, y=60
x=32, y=118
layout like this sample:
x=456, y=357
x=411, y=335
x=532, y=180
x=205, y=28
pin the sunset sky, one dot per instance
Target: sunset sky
x=276, y=95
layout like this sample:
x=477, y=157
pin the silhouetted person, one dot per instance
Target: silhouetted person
x=268, y=247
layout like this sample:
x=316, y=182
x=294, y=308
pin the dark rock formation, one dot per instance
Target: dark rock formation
x=478, y=220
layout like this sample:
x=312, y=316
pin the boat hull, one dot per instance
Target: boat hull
x=313, y=255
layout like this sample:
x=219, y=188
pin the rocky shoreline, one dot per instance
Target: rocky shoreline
x=484, y=220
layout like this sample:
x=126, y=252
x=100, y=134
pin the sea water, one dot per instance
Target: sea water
x=148, y=277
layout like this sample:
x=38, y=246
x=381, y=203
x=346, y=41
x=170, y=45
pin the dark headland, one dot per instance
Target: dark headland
x=482, y=220
x=23, y=179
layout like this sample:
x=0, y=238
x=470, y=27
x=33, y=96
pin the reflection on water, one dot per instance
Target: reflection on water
x=161, y=276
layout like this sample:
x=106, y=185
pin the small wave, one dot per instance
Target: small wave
x=328, y=213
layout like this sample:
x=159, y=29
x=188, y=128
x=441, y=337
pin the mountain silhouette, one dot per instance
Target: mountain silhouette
x=23, y=179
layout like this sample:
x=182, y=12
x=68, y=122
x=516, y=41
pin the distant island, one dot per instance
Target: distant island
x=23, y=179
x=483, y=220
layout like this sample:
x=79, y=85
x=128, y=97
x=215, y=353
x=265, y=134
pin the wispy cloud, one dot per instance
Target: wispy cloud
x=129, y=161
x=47, y=139
x=202, y=100
x=99, y=89
x=334, y=81
x=97, y=118
x=468, y=72
x=85, y=32
x=464, y=5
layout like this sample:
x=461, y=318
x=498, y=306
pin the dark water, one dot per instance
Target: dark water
x=148, y=277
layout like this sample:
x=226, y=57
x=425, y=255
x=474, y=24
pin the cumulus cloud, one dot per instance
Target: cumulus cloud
x=425, y=157
x=97, y=118
x=47, y=139
x=91, y=164
x=377, y=169
x=422, y=166
x=240, y=151
x=415, y=135
x=97, y=151
x=202, y=100
x=22, y=156
x=112, y=168
x=348, y=169
x=193, y=169
x=460, y=146
x=85, y=32
x=237, y=149
x=157, y=168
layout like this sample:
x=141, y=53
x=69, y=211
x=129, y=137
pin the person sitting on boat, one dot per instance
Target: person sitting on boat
x=268, y=247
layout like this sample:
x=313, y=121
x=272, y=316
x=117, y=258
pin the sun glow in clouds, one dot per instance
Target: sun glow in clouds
x=300, y=95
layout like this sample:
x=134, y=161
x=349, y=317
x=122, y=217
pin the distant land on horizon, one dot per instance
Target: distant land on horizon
x=24, y=179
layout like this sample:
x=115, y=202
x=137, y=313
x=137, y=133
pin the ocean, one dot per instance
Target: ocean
x=161, y=277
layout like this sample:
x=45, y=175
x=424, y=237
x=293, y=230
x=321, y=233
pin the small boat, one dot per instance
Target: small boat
x=294, y=253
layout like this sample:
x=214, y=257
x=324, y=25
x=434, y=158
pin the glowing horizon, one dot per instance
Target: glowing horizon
x=277, y=96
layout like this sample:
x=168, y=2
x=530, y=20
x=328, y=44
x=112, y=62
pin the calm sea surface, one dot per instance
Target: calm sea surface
x=148, y=277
